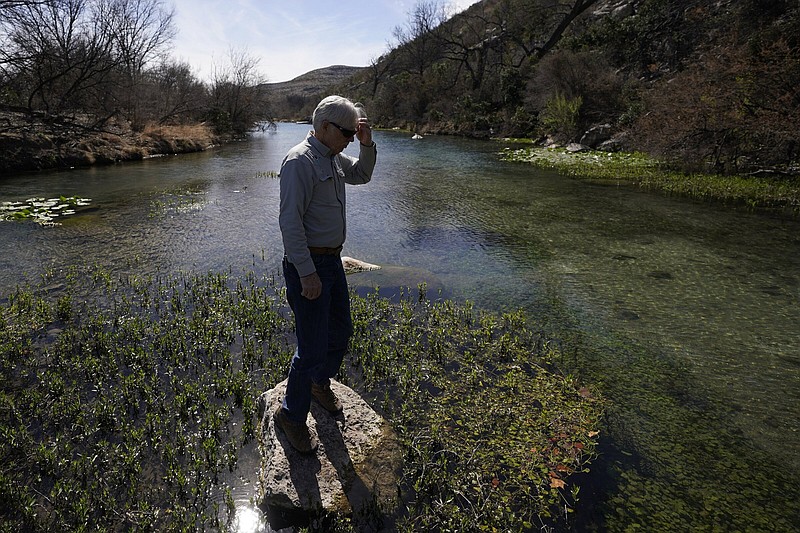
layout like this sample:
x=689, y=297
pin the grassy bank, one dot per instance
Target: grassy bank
x=769, y=193
x=32, y=144
x=125, y=404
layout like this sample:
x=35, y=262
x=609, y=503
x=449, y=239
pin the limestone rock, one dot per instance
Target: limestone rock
x=354, y=265
x=623, y=10
x=611, y=145
x=596, y=135
x=577, y=147
x=357, y=463
x=615, y=9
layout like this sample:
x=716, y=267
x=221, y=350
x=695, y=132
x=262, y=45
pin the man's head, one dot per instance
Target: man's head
x=335, y=122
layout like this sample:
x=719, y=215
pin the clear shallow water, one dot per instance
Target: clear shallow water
x=685, y=315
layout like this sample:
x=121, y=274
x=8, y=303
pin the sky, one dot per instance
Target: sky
x=288, y=37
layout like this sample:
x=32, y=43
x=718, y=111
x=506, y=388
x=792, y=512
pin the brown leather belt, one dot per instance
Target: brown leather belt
x=321, y=250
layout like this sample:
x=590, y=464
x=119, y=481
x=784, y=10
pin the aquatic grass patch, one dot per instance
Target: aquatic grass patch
x=493, y=432
x=125, y=403
x=43, y=211
x=177, y=203
x=643, y=171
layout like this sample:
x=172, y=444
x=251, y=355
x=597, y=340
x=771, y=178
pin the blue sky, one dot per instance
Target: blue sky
x=290, y=38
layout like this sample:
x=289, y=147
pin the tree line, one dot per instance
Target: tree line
x=105, y=61
x=699, y=83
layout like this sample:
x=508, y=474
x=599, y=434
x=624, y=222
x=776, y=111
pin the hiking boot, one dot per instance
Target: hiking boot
x=297, y=433
x=326, y=398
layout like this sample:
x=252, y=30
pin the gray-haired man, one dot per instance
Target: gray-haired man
x=313, y=226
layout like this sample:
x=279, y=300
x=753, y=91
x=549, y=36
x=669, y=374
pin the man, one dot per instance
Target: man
x=313, y=226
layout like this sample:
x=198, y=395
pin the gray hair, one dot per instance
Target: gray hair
x=335, y=109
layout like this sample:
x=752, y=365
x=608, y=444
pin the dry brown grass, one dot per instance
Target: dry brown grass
x=35, y=147
x=199, y=134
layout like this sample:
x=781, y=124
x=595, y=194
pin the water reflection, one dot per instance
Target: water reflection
x=249, y=519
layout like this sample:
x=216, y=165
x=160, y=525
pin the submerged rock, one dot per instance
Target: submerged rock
x=356, y=466
x=397, y=282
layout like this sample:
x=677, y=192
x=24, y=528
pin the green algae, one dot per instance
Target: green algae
x=641, y=170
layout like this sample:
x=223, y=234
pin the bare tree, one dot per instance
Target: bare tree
x=19, y=3
x=418, y=49
x=380, y=67
x=469, y=41
x=55, y=53
x=238, y=94
x=173, y=92
x=417, y=40
x=141, y=29
x=65, y=55
x=536, y=26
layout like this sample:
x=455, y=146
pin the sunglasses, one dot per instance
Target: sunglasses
x=347, y=133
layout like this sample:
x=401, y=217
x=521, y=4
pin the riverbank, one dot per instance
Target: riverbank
x=774, y=192
x=33, y=143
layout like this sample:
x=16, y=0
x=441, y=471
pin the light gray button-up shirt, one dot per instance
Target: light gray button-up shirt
x=312, y=197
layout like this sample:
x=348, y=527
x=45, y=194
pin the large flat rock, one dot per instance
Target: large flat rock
x=357, y=464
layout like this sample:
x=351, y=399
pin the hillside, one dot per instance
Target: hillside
x=703, y=84
x=291, y=99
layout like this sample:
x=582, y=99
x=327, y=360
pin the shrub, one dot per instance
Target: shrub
x=560, y=116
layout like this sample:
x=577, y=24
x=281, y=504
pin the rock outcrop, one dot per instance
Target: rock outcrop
x=596, y=135
x=355, y=468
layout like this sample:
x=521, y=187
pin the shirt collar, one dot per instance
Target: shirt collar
x=318, y=146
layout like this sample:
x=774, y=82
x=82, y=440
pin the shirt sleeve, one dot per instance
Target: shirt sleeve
x=296, y=188
x=359, y=171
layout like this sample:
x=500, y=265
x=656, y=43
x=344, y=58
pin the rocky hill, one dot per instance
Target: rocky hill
x=295, y=99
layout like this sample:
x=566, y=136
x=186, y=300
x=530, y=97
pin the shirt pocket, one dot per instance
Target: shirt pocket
x=325, y=191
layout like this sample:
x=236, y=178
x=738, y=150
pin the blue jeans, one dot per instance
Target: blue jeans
x=323, y=327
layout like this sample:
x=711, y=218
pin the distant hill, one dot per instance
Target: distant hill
x=303, y=92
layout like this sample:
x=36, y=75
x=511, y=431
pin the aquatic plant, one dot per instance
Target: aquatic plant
x=118, y=398
x=43, y=211
x=643, y=171
x=173, y=203
x=125, y=403
x=493, y=432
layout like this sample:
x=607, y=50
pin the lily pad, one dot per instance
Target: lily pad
x=42, y=210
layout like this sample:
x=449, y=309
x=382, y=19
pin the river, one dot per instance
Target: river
x=685, y=315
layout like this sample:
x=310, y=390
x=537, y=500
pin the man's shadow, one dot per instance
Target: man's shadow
x=363, y=500
x=303, y=471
